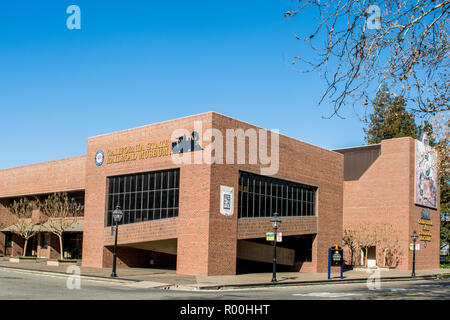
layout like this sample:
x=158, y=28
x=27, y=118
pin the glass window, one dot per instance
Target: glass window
x=261, y=196
x=148, y=196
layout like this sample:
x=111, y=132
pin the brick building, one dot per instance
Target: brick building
x=197, y=194
x=380, y=186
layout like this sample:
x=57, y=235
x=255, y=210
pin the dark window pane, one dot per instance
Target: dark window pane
x=267, y=195
x=139, y=182
x=152, y=181
x=171, y=198
x=158, y=199
x=139, y=194
x=171, y=180
x=256, y=206
x=165, y=180
x=268, y=208
x=244, y=204
x=121, y=184
x=158, y=178
x=145, y=182
x=177, y=197
x=111, y=186
x=110, y=202
x=138, y=201
x=164, y=199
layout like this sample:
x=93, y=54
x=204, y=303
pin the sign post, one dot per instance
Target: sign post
x=335, y=259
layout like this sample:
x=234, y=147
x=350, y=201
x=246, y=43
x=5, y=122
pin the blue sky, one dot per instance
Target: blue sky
x=138, y=62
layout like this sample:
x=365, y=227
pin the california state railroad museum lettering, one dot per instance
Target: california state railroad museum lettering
x=425, y=233
x=140, y=151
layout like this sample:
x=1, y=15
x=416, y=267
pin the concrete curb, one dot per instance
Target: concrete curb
x=316, y=282
x=63, y=274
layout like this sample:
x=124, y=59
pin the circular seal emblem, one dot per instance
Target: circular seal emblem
x=99, y=158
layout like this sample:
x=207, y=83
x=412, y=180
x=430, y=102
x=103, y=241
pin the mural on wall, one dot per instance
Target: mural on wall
x=426, y=174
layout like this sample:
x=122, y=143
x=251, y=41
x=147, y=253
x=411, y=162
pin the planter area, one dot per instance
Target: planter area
x=59, y=262
x=19, y=259
x=362, y=268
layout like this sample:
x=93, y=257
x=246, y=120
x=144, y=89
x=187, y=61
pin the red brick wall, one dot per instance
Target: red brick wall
x=207, y=240
x=54, y=176
x=299, y=162
x=191, y=226
x=385, y=194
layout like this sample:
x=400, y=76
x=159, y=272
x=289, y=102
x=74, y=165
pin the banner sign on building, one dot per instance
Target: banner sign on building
x=226, y=200
x=426, y=177
x=279, y=237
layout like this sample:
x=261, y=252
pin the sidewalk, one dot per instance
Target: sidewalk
x=162, y=278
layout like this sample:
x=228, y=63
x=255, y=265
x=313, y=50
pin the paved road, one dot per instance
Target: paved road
x=23, y=285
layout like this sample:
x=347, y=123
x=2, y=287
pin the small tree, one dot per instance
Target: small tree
x=23, y=226
x=366, y=237
x=349, y=240
x=389, y=243
x=61, y=212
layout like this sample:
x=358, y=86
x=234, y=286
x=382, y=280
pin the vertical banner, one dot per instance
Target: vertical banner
x=226, y=200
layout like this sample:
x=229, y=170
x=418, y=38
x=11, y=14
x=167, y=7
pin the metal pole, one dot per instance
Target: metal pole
x=414, y=260
x=329, y=262
x=274, y=276
x=113, y=274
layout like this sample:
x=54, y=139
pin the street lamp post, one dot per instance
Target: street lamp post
x=414, y=238
x=117, y=216
x=275, y=223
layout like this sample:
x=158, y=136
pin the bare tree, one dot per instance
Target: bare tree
x=382, y=235
x=388, y=241
x=61, y=212
x=23, y=225
x=349, y=240
x=366, y=237
x=359, y=45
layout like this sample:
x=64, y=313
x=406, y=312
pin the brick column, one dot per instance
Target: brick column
x=193, y=220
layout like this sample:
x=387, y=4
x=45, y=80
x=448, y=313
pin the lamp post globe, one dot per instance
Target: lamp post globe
x=117, y=217
x=414, y=238
x=117, y=214
x=276, y=221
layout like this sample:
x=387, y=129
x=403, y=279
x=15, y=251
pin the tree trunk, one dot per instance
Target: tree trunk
x=365, y=256
x=25, y=247
x=61, y=246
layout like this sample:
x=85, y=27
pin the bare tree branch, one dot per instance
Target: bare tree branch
x=359, y=45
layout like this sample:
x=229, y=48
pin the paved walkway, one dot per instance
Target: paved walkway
x=166, y=278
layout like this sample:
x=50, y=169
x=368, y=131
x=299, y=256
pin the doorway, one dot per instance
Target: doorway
x=372, y=257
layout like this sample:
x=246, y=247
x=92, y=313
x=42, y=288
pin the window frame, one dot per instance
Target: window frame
x=288, y=198
x=140, y=186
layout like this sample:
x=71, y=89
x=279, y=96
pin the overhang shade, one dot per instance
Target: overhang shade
x=77, y=226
